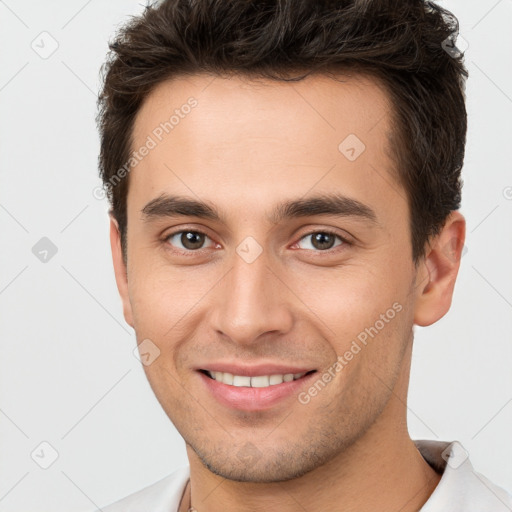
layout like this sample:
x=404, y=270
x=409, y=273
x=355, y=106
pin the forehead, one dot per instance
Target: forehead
x=216, y=136
x=356, y=102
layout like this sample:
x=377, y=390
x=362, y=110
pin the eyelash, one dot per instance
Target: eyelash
x=344, y=241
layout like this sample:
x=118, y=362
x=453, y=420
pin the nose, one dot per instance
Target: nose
x=251, y=300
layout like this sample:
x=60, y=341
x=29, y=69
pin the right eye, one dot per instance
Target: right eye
x=187, y=240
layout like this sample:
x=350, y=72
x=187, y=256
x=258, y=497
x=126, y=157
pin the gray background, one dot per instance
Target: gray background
x=67, y=370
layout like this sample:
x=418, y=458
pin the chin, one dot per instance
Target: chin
x=261, y=468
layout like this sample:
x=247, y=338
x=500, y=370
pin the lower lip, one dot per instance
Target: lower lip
x=254, y=399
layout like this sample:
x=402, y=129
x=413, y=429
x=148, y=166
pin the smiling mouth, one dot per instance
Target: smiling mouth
x=259, y=381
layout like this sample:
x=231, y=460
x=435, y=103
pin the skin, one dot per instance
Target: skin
x=246, y=147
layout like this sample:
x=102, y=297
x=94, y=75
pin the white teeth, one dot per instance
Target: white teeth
x=241, y=380
x=260, y=381
x=227, y=378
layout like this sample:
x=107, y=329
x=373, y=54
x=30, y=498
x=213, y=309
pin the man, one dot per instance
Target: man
x=285, y=180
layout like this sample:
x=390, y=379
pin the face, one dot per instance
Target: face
x=268, y=237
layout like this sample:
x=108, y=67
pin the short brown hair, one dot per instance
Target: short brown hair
x=408, y=46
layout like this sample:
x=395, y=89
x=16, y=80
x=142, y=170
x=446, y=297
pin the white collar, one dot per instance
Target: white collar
x=461, y=488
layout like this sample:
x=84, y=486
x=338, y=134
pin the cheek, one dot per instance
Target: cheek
x=170, y=390
x=165, y=300
x=351, y=299
x=363, y=313
x=370, y=355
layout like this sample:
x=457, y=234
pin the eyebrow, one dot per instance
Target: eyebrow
x=336, y=205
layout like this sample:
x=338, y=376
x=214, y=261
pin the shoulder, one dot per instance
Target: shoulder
x=162, y=496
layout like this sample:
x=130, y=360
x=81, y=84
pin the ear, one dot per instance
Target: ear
x=120, y=269
x=438, y=271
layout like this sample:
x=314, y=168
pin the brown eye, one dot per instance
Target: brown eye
x=187, y=240
x=321, y=240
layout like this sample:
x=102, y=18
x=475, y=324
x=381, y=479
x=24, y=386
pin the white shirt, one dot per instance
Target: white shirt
x=461, y=488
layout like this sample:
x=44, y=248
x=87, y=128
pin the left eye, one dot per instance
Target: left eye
x=189, y=240
x=322, y=240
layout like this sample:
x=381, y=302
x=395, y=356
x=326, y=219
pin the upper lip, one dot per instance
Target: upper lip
x=254, y=370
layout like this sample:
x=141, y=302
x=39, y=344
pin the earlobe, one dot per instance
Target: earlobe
x=120, y=270
x=438, y=271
